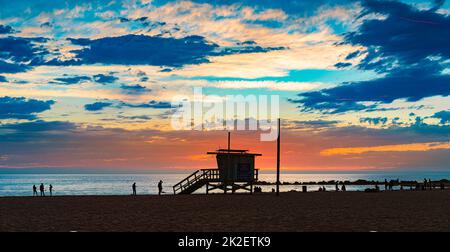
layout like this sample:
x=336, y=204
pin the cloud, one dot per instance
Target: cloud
x=309, y=125
x=104, y=79
x=342, y=64
x=134, y=89
x=71, y=80
x=374, y=120
x=19, y=54
x=292, y=7
x=96, y=106
x=409, y=47
x=22, y=108
x=5, y=29
x=387, y=148
x=406, y=36
x=444, y=116
x=151, y=104
x=3, y=79
x=19, y=49
x=38, y=126
x=152, y=50
x=140, y=117
x=6, y=67
x=145, y=50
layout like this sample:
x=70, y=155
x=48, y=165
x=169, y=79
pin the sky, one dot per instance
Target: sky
x=363, y=85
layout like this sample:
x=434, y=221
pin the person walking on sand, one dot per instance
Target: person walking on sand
x=385, y=184
x=160, y=188
x=41, y=188
x=35, y=190
x=134, y=188
x=50, y=189
x=343, y=188
x=337, y=187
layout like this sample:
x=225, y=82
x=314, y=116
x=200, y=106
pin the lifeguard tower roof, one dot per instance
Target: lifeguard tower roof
x=232, y=152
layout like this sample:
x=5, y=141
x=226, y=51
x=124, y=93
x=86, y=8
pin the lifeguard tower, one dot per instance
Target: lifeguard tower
x=236, y=170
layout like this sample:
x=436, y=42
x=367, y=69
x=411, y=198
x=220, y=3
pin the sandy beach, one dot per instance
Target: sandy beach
x=325, y=211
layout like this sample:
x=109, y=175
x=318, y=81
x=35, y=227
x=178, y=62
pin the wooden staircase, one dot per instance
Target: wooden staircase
x=196, y=180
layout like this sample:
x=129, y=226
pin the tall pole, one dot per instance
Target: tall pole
x=278, y=157
x=229, y=139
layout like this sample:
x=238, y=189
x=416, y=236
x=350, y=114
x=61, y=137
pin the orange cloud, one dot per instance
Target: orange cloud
x=387, y=148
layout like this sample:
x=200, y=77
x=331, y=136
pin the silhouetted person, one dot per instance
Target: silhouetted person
x=430, y=185
x=134, y=188
x=343, y=188
x=160, y=188
x=337, y=187
x=424, y=184
x=385, y=184
x=35, y=190
x=377, y=188
x=50, y=189
x=442, y=186
x=41, y=188
x=324, y=189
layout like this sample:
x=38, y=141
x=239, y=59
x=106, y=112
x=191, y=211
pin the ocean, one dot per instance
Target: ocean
x=120, y=184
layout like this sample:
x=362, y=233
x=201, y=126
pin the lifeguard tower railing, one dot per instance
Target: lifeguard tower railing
x=200, y=178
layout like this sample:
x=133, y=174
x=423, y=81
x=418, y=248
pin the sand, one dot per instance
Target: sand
x=317, y=211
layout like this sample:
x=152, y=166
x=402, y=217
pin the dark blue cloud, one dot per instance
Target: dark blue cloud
x=141, y=117
x=96, y=106
x=19, y=54
x=148, y=50
x=19, y=49
x=166, y=70
x=5, y=29
x=410, y=47
x=352, y=55
x=312, y=124
x=3, y=79
x=134, y=89
x=22, y=108
x=410, y=83
x=406, y=36
x=150, y=104
x=71, y=80
x=374, y=120
x=342, y=64
x=104, y=79
x=444, y=116
x=248, y=48
x=46, y=24
x=6, y=67
x=39, y=126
